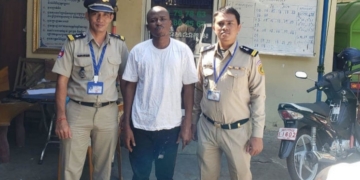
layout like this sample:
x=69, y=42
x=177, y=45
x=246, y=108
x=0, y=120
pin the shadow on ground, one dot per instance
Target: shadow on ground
x=24, y=161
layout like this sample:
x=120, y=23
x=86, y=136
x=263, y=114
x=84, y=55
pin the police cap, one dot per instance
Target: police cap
x=100, y=5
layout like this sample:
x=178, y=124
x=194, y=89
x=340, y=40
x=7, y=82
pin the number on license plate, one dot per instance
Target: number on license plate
x=287, y=133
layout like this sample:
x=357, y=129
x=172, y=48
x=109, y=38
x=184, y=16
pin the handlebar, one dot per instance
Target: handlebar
x=311, y=89
x=333, y=79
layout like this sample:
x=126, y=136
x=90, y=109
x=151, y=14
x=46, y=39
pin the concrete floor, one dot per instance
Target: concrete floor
x=24, y=161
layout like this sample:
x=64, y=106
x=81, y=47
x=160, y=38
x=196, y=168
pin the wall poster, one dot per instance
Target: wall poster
x=53, y=20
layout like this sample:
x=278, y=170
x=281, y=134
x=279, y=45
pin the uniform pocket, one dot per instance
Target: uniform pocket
x=113, y=65
x=83, y=69
x=208, y=79
x=237, y=78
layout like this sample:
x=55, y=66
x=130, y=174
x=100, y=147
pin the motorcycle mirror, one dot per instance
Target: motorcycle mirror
x=301, y=75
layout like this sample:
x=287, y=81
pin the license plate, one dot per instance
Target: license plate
x=287, y=133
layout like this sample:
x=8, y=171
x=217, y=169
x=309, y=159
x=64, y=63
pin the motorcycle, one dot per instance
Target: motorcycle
x=322, y=133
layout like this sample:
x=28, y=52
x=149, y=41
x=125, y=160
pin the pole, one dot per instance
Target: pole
x=320, y=69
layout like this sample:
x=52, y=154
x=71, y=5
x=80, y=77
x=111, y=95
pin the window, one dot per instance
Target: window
x=191, y=20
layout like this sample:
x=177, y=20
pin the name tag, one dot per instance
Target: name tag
x=95, y=88
x=83, y=55
x=213, y=95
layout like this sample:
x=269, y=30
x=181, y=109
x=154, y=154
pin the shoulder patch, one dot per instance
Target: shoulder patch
x=261, y=69
x=247, y=50
x=206, y=48
x=72, y=37
x=117, y=36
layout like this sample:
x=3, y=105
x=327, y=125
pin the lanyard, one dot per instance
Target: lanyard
x=97, y=66
x=224, y=68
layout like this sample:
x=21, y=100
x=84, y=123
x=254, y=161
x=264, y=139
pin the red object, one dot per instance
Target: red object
x=286, y=115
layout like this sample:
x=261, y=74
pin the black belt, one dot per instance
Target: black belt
x=233, y=125
x=96, y=105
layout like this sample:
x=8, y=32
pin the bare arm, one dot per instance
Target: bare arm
x=128, y=101
x=185, y=132
x=62, y=129
x=188, y=103
x=129, y=139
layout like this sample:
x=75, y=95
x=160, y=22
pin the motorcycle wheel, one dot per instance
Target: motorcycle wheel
x=299, y=166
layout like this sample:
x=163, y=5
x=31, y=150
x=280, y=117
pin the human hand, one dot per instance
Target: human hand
x=185, y=134
x=254, y=146
x=62, y=129
x=194, y=132
x=128, y=138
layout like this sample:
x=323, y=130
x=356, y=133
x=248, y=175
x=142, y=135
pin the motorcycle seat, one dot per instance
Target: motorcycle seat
x=317, y=107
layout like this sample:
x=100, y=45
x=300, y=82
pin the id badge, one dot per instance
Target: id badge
x=213, y=95
x=95, y=88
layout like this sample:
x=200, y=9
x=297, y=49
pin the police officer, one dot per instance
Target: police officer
x=231, y=96
x=88, y=66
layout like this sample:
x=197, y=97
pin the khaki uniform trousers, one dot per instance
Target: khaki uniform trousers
x=212, y=141
x=102, y=126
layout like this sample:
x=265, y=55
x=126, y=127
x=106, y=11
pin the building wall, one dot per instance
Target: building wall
x=281, y=84
x=128, y=24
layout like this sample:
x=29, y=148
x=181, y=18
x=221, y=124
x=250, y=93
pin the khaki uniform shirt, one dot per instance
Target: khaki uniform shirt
x=242, y=88
x=75, y=56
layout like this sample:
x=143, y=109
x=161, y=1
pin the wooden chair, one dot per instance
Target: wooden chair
x=29, y=72
x=89, y=153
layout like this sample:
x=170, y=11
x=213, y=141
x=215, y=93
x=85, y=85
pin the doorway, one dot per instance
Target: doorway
x=12, y=36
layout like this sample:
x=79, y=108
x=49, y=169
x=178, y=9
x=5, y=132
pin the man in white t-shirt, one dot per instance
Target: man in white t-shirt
x=156, y=72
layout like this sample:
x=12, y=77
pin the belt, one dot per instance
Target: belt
x=96, y=105
x=233, y=125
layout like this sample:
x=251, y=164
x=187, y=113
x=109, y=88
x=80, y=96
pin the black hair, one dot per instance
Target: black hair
x=228, y=10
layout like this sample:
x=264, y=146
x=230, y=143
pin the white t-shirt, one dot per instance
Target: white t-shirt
x=160, y=75
x=344, y=171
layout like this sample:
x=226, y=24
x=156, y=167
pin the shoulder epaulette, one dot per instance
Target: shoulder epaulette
x=207, y=48
x=247, y=50
x=72, y=37
x=117, y=36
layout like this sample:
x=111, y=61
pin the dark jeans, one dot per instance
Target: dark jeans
x=160, y=146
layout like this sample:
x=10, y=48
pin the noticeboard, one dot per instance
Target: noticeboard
x=279, y=27
x=53, y=20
